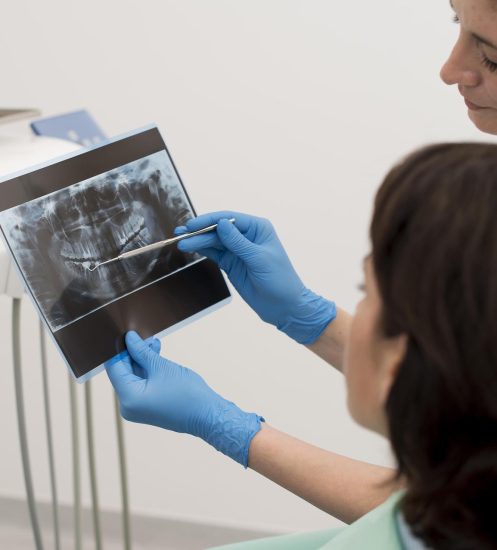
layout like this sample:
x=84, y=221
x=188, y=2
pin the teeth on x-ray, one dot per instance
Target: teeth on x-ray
x=57, y=238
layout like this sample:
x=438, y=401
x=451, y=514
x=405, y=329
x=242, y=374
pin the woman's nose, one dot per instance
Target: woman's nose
x=464, y=77
x=461, y=68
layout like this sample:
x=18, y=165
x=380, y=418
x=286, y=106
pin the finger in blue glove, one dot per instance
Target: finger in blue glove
x=176, y=398
x=251, y=254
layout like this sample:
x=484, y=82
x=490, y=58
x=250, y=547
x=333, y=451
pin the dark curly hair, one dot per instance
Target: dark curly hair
x=434, y=252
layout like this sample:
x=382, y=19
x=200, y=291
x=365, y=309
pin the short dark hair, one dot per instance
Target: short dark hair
x=434, y=252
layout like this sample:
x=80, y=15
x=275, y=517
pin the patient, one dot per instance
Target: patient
x=433, y=278
x=420, y=365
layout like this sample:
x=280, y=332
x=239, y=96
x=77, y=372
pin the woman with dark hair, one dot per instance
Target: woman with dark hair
x=420, y=364
x=432, y=294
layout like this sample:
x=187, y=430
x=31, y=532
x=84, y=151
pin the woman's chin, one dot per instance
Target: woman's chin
x=485, y=120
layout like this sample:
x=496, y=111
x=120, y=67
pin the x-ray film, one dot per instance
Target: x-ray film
x=59, y=219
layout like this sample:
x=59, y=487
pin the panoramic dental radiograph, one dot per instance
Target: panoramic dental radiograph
x=56, y=238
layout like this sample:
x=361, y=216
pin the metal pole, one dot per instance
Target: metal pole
x=21, y=420
x=76, y=470
x=124, y=477
x=48, y=422
x=92, y=465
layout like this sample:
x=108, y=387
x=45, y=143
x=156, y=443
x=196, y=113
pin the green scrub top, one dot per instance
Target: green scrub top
x=375, y=530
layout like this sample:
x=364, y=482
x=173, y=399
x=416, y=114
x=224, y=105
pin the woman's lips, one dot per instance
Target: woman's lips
x=472, y=106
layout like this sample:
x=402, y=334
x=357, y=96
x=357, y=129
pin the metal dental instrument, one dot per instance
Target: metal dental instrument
x=158, y=244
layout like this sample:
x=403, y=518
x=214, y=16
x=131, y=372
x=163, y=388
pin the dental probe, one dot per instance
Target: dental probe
x=158, y=244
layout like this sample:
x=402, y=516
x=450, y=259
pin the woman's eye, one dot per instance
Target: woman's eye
x=361, y=287
x=490, y=65
x=455, y=18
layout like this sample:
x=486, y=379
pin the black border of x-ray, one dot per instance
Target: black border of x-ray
x=99, y=336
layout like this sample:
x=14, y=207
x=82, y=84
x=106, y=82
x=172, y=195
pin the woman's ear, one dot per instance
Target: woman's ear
x=392, y=354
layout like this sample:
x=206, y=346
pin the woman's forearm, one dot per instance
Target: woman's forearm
x=330, y=345
x=340, y=486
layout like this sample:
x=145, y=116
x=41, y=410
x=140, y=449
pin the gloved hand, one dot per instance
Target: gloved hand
x=153, y=390
x=257, y=265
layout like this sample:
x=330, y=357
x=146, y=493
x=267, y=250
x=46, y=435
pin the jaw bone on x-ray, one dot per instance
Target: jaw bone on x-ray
x=69, y=230
x=60, y=219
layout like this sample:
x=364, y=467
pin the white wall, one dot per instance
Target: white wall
x=291, y=109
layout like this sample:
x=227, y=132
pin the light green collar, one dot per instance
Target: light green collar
x=375, y=530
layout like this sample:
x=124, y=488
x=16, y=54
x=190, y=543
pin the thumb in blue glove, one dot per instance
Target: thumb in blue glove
x=257, y=265
x=176, y=398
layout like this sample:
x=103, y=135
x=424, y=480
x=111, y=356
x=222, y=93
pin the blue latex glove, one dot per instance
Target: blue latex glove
x=153, y=390
x=258, y=267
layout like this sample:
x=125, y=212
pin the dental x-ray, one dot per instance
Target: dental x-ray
x=61, y=219
x=56, y=238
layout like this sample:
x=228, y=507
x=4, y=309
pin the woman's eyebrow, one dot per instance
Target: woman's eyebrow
x=477, y=36
x=483, y=41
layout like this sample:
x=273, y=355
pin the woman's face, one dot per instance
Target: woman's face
x=472, y=64
x=371, y=359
